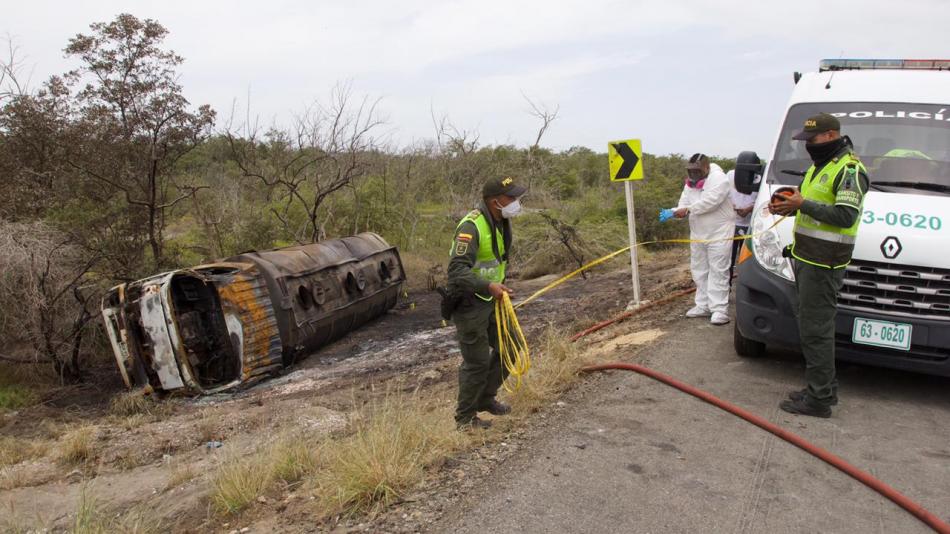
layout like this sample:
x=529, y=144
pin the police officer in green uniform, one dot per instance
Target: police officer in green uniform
x=828, y=206
x=476, y=273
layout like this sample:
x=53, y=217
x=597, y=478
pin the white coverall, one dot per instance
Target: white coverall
x=711, y=216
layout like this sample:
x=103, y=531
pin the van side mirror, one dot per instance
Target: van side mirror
x=748, y=173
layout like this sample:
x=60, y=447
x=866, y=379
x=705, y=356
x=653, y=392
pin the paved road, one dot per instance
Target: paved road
x=634, y=455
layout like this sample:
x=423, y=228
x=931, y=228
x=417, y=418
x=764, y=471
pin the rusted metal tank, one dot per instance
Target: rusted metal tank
x=221, y=325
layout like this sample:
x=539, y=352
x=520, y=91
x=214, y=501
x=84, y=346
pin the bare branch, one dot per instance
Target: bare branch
x=326, y=149
x=189, y=192
x=11, y=85
x=544, y=114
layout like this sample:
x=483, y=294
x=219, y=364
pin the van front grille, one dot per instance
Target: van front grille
x=898, y=289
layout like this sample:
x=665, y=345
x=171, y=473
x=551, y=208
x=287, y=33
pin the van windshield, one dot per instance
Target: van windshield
x=905, y=147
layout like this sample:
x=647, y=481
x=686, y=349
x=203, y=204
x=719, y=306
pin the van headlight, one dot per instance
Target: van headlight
x=767, y=246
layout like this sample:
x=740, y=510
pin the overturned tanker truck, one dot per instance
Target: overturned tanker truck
x=217, y=326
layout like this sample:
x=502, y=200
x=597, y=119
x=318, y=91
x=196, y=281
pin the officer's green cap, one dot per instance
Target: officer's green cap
x=817, y=124
x=503, y=186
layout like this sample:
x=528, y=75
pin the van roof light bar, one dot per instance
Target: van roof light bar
x=883, y=64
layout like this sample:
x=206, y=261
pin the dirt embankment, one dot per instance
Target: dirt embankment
x=160, y=457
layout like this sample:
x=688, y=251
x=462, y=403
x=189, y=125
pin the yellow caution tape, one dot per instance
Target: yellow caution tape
x=602, y=259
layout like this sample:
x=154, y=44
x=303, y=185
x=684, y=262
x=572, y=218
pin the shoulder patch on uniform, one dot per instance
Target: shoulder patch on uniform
x=461, y=247
x=464, y=237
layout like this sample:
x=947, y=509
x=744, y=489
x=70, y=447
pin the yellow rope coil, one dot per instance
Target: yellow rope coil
x=512, y=345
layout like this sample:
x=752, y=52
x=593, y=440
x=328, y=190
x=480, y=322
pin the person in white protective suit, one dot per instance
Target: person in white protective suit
x=705, y=201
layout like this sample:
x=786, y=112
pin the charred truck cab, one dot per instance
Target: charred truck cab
x=894, y=307
x=217, y=326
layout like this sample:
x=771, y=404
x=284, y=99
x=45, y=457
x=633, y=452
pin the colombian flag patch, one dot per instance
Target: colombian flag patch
x=464, y=237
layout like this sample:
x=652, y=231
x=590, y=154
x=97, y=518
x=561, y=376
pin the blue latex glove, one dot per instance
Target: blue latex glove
x=666, y=214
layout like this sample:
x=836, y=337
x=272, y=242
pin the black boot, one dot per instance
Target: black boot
x=800, y=394
x=496, y=408
x=804, y=406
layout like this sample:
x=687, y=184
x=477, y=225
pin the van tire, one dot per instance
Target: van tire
x=745, y=347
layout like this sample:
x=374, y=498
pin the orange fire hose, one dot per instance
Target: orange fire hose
x=867, y=479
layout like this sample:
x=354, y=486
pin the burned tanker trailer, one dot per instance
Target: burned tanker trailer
x=221, y=325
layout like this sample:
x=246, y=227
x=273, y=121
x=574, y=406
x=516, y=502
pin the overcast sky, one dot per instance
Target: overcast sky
x=683, y=75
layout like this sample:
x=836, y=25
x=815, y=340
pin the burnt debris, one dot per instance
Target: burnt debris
x=217, y=326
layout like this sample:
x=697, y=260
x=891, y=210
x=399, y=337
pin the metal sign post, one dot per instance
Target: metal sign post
x=632, y=229
x=625, y=160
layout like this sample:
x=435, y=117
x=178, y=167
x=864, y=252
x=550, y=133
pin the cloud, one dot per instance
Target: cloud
x=550, y=80
x=473, y=59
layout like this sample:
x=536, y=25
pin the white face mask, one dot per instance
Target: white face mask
x=511, y=210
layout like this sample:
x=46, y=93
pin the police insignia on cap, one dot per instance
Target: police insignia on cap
x=810, y=123
x=506, y=182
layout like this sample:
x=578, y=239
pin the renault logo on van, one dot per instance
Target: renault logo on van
x=891, y=247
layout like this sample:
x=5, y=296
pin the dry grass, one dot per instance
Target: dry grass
x=294, y=458
x=389, y=445
x=92, y=518
x=15, y=450
x=181, y=473
x=553, y=369
x=392, y=443
x=130, y=459
x=239, y=481
x=139, y=520
x=12, y=522
x=206, y=429
x=88, y=515
x=134, y=409
x=131, y=403
x=77, y=446
x=51, y=430
x=133, y=421
x=11, y=479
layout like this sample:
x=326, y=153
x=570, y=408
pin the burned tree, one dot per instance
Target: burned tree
x=326, y=149
x=567, y=235
x=46, y=298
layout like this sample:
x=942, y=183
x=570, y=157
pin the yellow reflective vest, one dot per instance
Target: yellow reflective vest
x=818, y=243
x=487, y=265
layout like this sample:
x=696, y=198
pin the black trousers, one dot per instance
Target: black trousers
x=817, y=307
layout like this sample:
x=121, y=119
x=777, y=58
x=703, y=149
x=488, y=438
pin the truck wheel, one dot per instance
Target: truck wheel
x=746, y=347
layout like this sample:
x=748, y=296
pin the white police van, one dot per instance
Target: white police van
x=894, y=307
